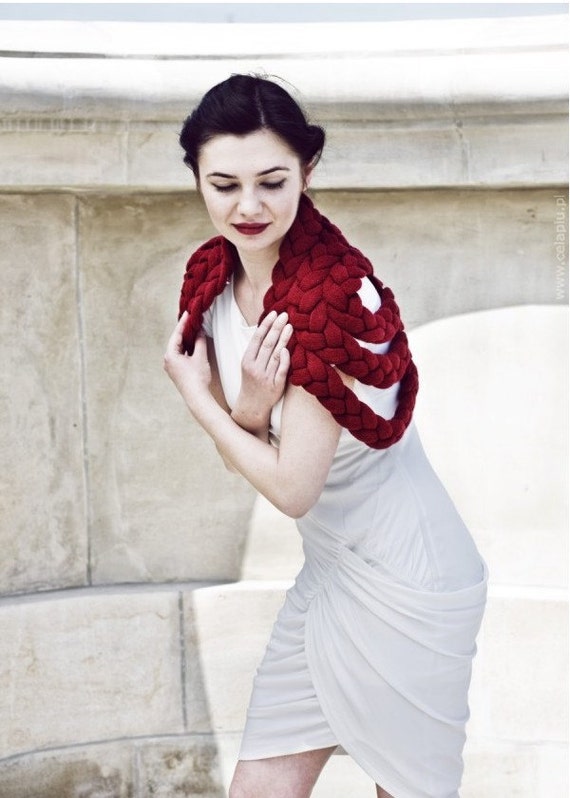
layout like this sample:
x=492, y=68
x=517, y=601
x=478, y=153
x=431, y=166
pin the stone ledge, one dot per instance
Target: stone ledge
x=528, y=739
x=152, y=767
x=203, y=765
x=90, y=669
x=175, y=40
x=484, y=103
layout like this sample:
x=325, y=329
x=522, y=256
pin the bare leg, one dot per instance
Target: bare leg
x=382, y=793
x=292, y=776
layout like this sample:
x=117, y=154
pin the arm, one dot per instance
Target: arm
x=216, y=389
x=291, y=477
x=215, y=382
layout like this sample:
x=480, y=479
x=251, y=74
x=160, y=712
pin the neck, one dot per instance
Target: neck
x=256, y=279
x=252, y=280
x=256, y=268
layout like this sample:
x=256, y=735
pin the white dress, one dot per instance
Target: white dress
x=372, y=649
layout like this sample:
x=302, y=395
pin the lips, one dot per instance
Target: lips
x=251, y=229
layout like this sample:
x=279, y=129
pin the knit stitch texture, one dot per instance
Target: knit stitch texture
x=316, y=281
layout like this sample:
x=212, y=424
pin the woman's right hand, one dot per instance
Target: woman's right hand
x=264, y=370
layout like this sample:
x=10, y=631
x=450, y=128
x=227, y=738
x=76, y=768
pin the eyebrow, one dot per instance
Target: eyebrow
x=259, y=174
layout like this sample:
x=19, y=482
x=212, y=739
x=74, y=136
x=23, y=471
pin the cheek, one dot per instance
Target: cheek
x=289, y=202
x=291, y=206
x=214, y=204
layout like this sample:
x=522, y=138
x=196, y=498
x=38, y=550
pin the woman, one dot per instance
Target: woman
x=290, y=353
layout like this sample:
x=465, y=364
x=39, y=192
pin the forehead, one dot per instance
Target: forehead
x=253, y=152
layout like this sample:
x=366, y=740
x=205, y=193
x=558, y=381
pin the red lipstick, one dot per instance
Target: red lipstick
x=251, y=229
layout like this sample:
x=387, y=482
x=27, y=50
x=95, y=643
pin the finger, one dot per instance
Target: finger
x=271, y=343
x=174, y=345
x=265, y=324
x=271, y=325
x=281, y=344
x=200, y=344
x=259, y=335
x=285, y=336
x=283, y=367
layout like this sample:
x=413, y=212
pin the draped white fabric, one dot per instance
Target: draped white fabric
x=373, y=647
x=391, y=667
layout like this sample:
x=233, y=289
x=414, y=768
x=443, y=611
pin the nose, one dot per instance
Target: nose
x=249, y=203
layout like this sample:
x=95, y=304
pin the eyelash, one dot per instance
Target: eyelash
x=270, y=186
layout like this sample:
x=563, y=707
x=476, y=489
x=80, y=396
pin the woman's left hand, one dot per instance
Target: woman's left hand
x=190, y=373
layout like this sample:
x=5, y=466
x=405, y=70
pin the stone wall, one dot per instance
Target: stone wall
x=138, y=578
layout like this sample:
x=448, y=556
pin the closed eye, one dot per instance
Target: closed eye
x=274, y=186
x=225, y=189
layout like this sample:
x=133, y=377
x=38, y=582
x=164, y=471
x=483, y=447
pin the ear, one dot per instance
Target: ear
x=307, y=175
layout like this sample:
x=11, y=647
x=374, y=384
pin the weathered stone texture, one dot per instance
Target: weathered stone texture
x=64, y=157
x=442, y=153
x=94, y=772
x=88, y=668
x=449, y=252
x=148, y=503
x=43, y=533
x=188, y=768
x=156, y=481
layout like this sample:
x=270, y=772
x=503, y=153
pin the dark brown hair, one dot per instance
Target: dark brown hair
x=243, y=104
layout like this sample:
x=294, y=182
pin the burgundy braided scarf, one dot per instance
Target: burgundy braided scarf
x=315, y=281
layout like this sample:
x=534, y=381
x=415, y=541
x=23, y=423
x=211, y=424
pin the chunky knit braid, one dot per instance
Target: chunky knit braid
x=316, y=281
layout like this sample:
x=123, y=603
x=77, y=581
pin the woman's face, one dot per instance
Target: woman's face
x=251, y=186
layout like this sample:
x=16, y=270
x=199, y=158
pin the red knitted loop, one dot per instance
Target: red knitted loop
x=316, y=281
